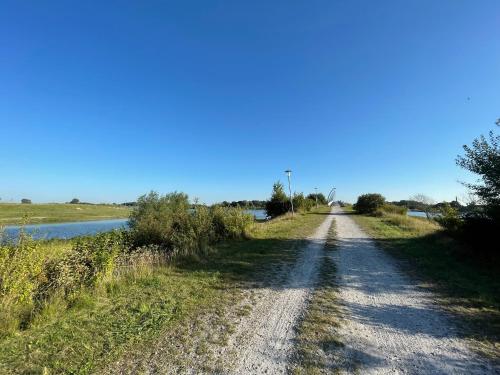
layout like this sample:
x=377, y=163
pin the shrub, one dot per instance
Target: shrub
x=393, y=209
x=90, y=260
x=320, y=196
x=300, y=203
x=169, y=222
x=279, y=203
x=74, y=201
x=449, y=218
x=155, y=218
x=230, y=222
x=21, y=264
x=26, y=201
x=369, y=203
x=480, y=232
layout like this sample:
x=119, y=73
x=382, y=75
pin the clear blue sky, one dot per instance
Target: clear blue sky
x=105, y=101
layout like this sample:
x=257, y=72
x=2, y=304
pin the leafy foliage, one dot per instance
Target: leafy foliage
x=321, y=198
x=169, y=221
x=369, y=203
x=300, y=203
x=483, y=159
x=279, y=202
x=393, y=209
x=20, y=266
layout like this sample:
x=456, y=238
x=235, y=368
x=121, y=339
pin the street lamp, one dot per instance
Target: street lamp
x=288, y=173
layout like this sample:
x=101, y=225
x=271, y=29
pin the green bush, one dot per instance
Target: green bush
x=155, y=218
x=169, y=221
x=449, y=218
x=279, y=203
x=393, y=209
x=230, y=222
x=369, y=203
x=90, y=260
x=21, y=265
x=300, y=203
x=321, y=198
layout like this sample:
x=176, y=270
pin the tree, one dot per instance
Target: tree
x=26, y=201
x=279, y=203
x=320, y=196
x=75, y=201
x=369, y=203
x=425, y=203
x=483, y=159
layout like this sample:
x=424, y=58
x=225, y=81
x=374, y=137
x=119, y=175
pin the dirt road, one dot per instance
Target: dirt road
x=264, y=340
x=391, y=326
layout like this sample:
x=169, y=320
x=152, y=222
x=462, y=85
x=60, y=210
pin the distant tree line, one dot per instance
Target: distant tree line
x=244, y=204
x=279, y=203
x=420, y=205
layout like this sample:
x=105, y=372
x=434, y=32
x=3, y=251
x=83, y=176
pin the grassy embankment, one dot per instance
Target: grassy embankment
x=467, y=287
x=125, y=317
x=12, y=213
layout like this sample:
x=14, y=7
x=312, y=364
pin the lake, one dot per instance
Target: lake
x=259, y=214
x=66, y=230
x=83, y=228
x=417, y=213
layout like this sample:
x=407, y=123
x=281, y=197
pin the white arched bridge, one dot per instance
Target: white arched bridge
x=331, y=197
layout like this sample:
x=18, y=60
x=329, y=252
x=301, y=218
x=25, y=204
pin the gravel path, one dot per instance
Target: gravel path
x=391, y=326
x=264, y=339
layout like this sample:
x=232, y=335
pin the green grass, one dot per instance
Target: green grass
x=468, y=288
x=56, y=213
x=125, y=318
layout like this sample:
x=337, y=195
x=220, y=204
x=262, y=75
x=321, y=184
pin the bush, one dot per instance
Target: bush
x=230, y=222
x=168, y=221
x=26, y=201
x=75, y=201
x=321, y=198
x=300, y=203
x=393, y=209
x=89, y=261
x=21, y=264
x=480, y=233
x=369, y=203
x=155, y=218
x=279, y=203
x=449, y=218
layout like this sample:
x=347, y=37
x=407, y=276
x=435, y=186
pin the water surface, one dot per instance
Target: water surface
x=82, y=228
x=66, y=230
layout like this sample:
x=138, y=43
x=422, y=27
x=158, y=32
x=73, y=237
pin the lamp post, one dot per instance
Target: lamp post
x=316, y=195
x=288, y=173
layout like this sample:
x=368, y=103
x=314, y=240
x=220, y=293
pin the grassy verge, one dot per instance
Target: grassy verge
x=11, y=213
x=467, y=288
x=318, y=342
x=123, y=318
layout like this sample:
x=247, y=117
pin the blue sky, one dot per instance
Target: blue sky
x=105, y=101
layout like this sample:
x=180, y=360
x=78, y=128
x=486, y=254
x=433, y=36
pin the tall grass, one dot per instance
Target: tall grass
x=33, y=274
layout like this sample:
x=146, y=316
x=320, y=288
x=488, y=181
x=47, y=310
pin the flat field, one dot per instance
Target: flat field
x=17, y=213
